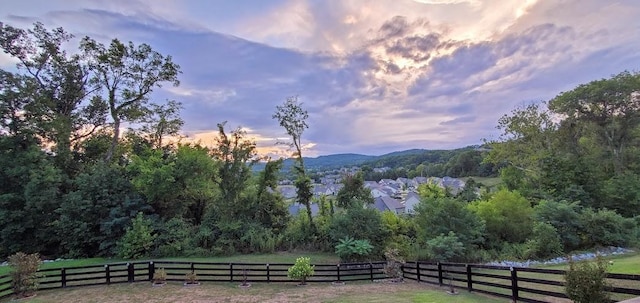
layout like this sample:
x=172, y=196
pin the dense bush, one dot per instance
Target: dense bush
x=544, y=243
x=351, y=250
x=360, y=223
x=301, y=270
x=446, y=248
x=586, y=282
x=138, y=239
x=24, y=277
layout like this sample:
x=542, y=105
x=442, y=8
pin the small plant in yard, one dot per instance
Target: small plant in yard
x=350, y=249
x=586, y=281
x=160, y=276
x=191, y=278
x=245, y=283
x=393, y=268
x=24, y=276
x=301, y=270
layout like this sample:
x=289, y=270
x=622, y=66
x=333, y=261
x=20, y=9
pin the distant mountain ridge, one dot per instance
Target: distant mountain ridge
x=337, y=161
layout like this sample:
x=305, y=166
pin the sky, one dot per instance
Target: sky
x=375, y=76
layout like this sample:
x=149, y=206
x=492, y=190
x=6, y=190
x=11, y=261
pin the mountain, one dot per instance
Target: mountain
x=324, y=162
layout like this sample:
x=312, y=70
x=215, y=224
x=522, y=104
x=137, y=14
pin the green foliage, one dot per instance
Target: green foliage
x=353, y=193
x=128, y=74
x=545, y=242
x=586, y=282
x=174, y=238
x=360, y=223
x=30, y=190
x=94, y=216
x=350, y=250
x=508, y=216
x=138, y=239
x=440, y=216
x=430, y=191
x=401, y=230
x=24, y=277
x=623, y=194
x=301, y=270
x=605, y=228
x=565, y=218
x=446, y=248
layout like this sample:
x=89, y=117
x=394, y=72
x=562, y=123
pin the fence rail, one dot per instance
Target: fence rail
x=515, y=283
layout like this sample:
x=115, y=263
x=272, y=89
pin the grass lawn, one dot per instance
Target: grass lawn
x=408, y=292
x=490, y=182
x=621, y=264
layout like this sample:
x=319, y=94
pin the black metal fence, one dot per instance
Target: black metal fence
x=515, y=283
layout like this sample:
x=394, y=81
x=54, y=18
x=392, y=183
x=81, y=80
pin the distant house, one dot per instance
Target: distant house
x=287, y=191
x=371, y=184
x=388, y=203
x=378, y=192
x=403, y=181
x=410, y=202
x=419, y=180
x=296, y=208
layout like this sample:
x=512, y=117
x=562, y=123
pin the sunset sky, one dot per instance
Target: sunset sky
x=375, y=76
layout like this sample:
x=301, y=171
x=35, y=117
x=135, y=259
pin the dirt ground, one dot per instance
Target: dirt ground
x=216, y=292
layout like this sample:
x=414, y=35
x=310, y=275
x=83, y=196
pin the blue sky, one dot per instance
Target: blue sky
x=375, y=76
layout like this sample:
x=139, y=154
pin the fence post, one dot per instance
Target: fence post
x=418, y=270
x=439, y=274
x=152, y=270
x=63, y=274
x=338, y=268
x=469, y=280
x=371, y=270
x=193, y=269
x=514, y=284
x=268, y=274
x=107, y=274
x=230, y=272
x=130, y=276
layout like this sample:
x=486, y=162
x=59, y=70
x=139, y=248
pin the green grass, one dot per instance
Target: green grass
x=621, y=264
x=281, y=257
x=487, y=181
x=66, y=263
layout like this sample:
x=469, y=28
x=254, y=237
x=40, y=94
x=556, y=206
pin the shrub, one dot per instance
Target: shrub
x=393, y=268
x=137, y=241
x=545, y=242
x=350, y=250
x=445, y=248
x=159, y=276
x=301, y=270
x=24, y=277
x=191, y=278
x=586, y=282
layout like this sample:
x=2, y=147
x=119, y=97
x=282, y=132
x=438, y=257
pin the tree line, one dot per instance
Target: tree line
x=73, y=184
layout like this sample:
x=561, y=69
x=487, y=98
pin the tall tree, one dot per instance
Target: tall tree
x=236, y=155
x=612, y=105
x=162, y=121
x=57, y=85
x=293, y=118
x=128, y=74
x=353, y=193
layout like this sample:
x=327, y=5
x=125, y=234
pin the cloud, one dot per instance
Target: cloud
x=374, y=78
